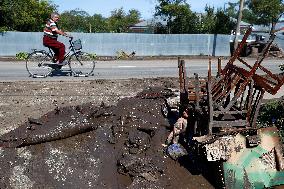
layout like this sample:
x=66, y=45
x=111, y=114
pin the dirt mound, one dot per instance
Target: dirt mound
x=95, y=147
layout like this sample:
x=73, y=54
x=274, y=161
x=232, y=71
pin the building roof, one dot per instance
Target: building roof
x=256, y=28
x=263, y=28
x=150, y=22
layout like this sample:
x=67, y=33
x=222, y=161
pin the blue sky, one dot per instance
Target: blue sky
x=145, y=7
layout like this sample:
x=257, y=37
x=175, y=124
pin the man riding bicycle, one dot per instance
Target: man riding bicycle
x=51, y=32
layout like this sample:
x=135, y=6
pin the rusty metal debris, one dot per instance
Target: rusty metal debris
x=224, y=116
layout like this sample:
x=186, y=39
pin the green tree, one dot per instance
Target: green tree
x=216, y=23
x=248, y=14
x=267, y=12
x=119, y=21
x=184, y=20
x=159, y=28
x=223, y=23
x=272, y=112
x=75, y=21
x=208, y=20
x=179, y=17
x=133, y=17
x=116, y=22
x=232, y=10
x=98, y=24
x=25, y=15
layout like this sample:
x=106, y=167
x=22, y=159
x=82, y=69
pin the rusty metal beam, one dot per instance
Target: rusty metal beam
x=210, y=100
x=182, y=75
x=219, y=68
x=238, y=50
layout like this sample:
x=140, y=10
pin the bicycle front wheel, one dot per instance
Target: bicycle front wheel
x=37, y=64
x=82, y=64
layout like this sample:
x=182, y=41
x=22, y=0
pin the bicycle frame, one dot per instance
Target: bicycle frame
x=71, y=50
x=80, y=63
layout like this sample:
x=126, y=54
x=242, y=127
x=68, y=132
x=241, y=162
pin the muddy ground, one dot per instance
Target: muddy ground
x=89, y=134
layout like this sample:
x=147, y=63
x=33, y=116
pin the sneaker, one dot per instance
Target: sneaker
x=63, y=63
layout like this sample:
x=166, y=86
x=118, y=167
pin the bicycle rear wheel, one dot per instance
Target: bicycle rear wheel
x=82, y=64
x=37, y=64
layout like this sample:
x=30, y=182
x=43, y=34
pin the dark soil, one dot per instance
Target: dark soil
x=111, y=143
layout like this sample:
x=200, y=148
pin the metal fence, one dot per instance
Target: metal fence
x=108, y=44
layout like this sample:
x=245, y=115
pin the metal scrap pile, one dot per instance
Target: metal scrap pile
x=276, y=51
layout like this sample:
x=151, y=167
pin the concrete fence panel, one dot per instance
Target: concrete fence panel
x=108, y=44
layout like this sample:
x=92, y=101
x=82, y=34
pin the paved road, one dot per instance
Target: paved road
x=123, y=69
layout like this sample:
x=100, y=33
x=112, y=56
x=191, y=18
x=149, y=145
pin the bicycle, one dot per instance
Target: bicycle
x=41, y=63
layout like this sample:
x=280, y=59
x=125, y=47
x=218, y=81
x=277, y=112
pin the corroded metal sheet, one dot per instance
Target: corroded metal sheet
x=255, y=167
x=220, y=149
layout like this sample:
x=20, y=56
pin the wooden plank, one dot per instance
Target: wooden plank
x=182, y=75
x=210, y=106
x=215, y=113
x=197, y=91
x=235, y=123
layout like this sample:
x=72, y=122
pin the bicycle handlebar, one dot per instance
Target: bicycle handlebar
x=70, y=38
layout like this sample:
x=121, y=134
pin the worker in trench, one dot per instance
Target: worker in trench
x=179, y=128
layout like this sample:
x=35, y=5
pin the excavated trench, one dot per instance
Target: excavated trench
x=96, y=147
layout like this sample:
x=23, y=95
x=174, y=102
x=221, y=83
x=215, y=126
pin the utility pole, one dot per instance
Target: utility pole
x=238, y=24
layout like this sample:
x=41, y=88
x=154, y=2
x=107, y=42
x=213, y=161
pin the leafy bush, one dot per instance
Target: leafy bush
x=93, y=55
x=3, y=29
x=272, y=113
x=22, y=56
